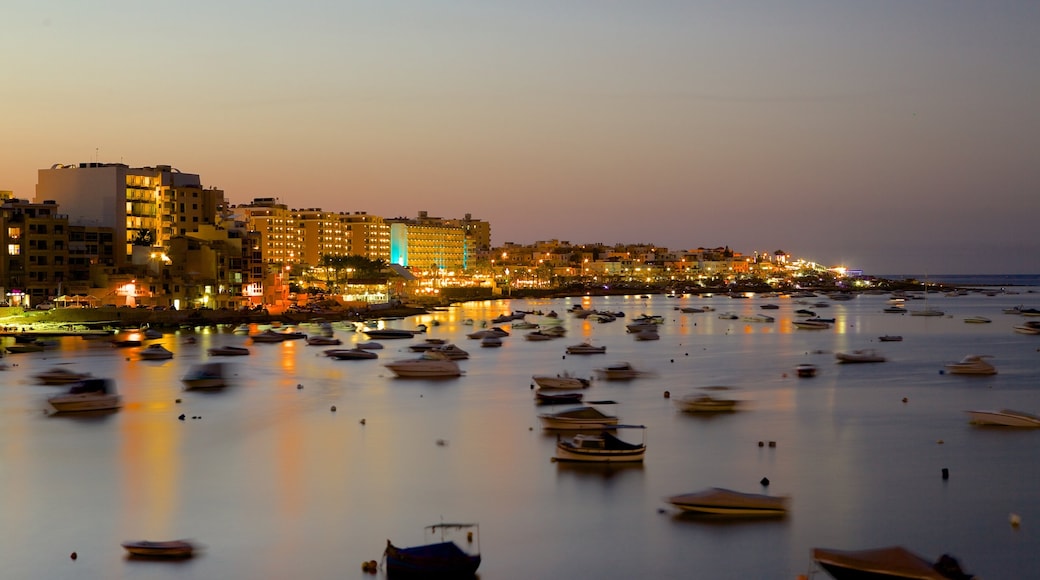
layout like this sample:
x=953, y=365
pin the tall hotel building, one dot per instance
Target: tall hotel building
x=427, y=244
x=278, y=237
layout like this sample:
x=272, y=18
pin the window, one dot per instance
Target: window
x=14, y=250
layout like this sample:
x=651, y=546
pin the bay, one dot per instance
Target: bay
x=274, y=483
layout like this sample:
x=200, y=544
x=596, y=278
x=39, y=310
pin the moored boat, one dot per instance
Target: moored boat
x=805, y=370
x=163, y=549
x=601, y=448
x=894, y=562
x=355, y=353
x=586, y=348
x=562, y=381
x=228, y=351
x=721, y=501
x=865, y=355
x=430, y=365
x=619, y=371
x=972, y=364
x=811, y=324
x=87, y=395
x=890, y=338
x=60, y=376
x=206, y=376
x=578, y=418
x=704, y=403
x=268, y=336
x=556, y=398
x=1004, y=418
x=321, y=340
x=155, y=352
x=442, y=559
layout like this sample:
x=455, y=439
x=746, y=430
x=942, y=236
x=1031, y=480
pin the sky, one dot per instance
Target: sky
x=891, y=136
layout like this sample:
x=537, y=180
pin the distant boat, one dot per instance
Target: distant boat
x=350, y=353
x=972, y=364
x=586, y=348
x=60, y=376
x=205, y=376
x=578, y=418
x=893, y=563
x=721, y=501
x=164, y=549
x=443, y=559
x=601, y=448
x=561, y=381
x=805, y=370
x=228, y=351
x=890, y=338
x=860, y=356
x=1004, y=418
x=88, y=395
x=977, y=320
x=155, y=352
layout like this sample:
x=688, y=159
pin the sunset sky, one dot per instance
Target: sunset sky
x=892, y=136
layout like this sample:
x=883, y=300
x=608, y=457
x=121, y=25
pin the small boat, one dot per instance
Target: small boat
x=702, y=403
x=87, y=395
x=370, y=345
x=391, y=333
x=893, y=563
x=721, y=501
x=618, y=372
x=647, y=334
x=811, y=324
x=442, y=559
x=804, y=313
x=451, y=351
x=972, y=364
x=60, y=376
x=805, y=370
x=293, y=335
x=25, y=347
x=155, y=352
x=564, y=381
x=578, y=418
x=126, y=343
x=548, y=398
x=427, y=344
x=320, y=340
x=601, y=448
x=350, y=353
x=164, y=549
x=205, y=376
x=866, y=355
x=758, y=318
x=539, y=335
x=1028, y=327
x=894, y=310
x=429, y=365
x=152, y=334
x=228, y=351
x=491, y=342
x=1004, y=418
x=493, y=331
x=890, y=338
x=728, y=316
x=241, y=329
x=586, y=348
x=977, y=320
x=268, y=336
x=927, y=312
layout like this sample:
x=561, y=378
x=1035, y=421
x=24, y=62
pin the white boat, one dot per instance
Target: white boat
x=87, y=395
x=618, y=371
x=163, y=549
x=1028, y=327
x=758, y=318
x=429, y=365
x=564, y=381
x=704, y=403
x=586, y=348
x=493, y=331
x=241, y=329
x=60, y=376
x=228, y=351
x=391, y=333
x=355, y=353
x=892, y=563
x=155, y=352
x=721, y=501
x=1004, y=418
x=578, y=418
x=205, y=376
x=812, y=324
x=977, y=320
x=538, y=335
x=972, y=364
x=601, y=448
x=866, y=355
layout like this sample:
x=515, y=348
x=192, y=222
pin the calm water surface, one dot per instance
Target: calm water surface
x=275, y=484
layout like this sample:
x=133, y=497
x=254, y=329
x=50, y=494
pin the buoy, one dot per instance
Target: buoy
x=940, y=442
x=905, y=399
x=181, y=417
x=178, y=401
x=1015, y=520
x=667, y=394
x=74, y=555
x=362, y=420
x=942, y=372
x=765, y=482
x=469, y=537
x=945, y=473
x=672, y=360
x=772, y=443
x=761, y=444
x=333, y=408
x=299, y=386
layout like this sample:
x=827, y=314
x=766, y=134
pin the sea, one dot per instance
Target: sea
x=305, y=466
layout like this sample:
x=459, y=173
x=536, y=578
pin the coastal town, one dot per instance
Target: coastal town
x=109, y=235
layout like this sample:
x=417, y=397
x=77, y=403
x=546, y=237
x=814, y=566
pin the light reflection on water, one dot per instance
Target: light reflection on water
x=276, y=484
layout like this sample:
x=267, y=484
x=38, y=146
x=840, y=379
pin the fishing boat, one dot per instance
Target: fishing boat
x=892, y=563
x=163, y=549
x=578, y=418
x=1004, y=418
x=206, y=376
x=87, y=395
x=562, y=381
x=721, y=501
x=600, y=448
x=440, y=559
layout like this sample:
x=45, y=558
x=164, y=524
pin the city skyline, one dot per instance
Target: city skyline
x=890, y=137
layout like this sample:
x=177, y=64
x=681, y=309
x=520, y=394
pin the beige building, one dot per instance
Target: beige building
x=321, y=233
x=367, y=235
x=427, y=244
x=278, y=237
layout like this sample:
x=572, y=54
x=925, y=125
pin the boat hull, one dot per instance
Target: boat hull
x=1005, y=418
x=567, y=453
x=442, y=560
x=171, y=549
x=726, y=502
x=81, y=403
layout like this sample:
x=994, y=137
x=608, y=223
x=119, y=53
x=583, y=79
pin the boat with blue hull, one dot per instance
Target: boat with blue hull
x=442, y=559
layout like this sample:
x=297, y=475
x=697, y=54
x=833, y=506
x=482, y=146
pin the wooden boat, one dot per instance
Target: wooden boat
x=164, y=549
x=442, y=559
x=564, y=381
x=1004, y=418
x=206, y=376
x=893, y=563
x=601, y=448
x=87, y=395
x=721, y=501
x=60, y=376
x=578, y=418
x=860, y=356
x=973, y=364
x=228, y=351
